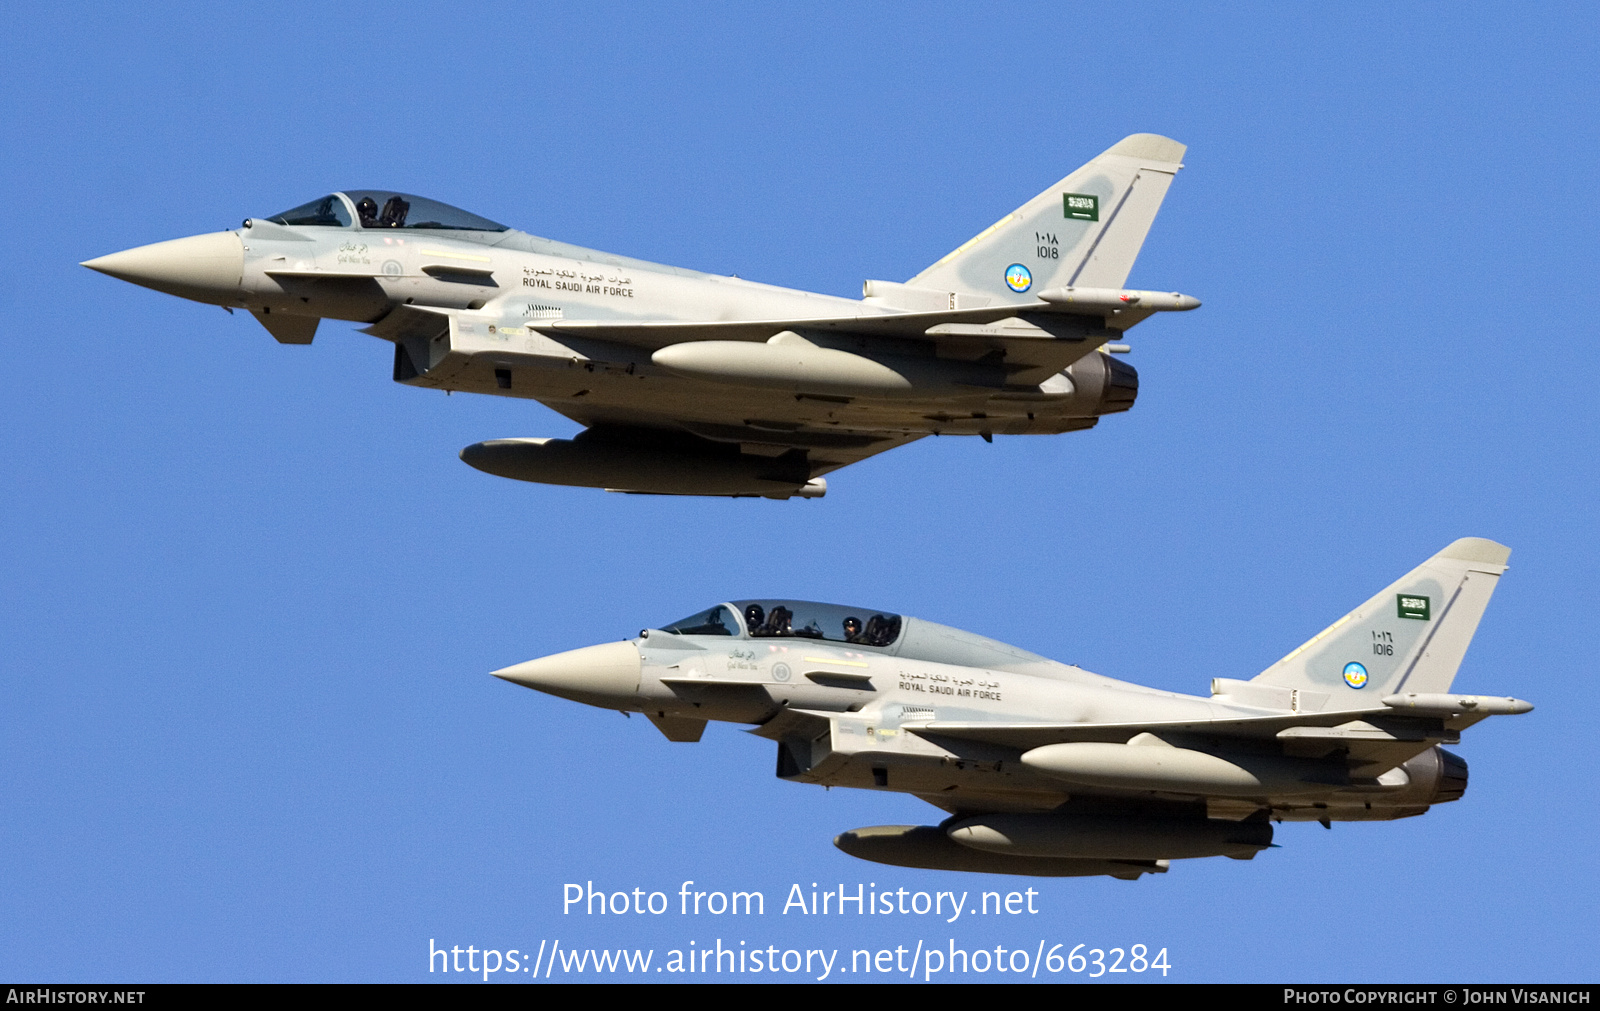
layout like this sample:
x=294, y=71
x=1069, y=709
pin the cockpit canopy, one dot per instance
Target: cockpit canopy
x=796, y=619
x=384, y=209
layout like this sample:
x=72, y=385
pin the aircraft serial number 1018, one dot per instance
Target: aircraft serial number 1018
x=697, y=384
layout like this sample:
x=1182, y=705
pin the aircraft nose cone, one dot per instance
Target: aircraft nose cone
x=605, y=675
x=206, y=268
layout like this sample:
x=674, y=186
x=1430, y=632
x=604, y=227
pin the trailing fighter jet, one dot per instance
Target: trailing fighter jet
x=696, y=384
x=1046, y=769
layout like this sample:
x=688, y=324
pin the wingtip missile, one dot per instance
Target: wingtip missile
x=1107, y=299
x=1452, y=704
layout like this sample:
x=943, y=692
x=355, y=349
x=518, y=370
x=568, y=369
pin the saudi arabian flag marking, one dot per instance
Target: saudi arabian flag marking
x=1081, y=206
x=1412, y=606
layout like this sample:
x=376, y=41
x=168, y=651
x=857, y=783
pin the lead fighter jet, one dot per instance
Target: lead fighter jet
x=697, y=384
x=1049, y=770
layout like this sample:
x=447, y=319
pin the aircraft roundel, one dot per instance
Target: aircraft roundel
x=1355, y=675
x=1018, y=277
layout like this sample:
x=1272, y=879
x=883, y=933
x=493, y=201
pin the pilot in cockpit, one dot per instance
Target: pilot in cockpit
x=754, y=615
x=877, y=632
x=852, y=629
x=394, y=212
x=779, y=622
x=367, y=211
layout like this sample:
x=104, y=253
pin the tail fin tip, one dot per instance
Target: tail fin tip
x=1149, y=147
x=1477, y=549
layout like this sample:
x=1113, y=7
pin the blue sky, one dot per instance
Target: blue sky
x=249, y=595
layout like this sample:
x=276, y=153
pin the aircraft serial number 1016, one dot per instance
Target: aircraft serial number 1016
x=1046, y=769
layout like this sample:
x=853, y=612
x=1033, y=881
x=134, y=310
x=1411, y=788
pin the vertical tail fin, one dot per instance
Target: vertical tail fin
x=1084, y=231
x=1410, y=637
